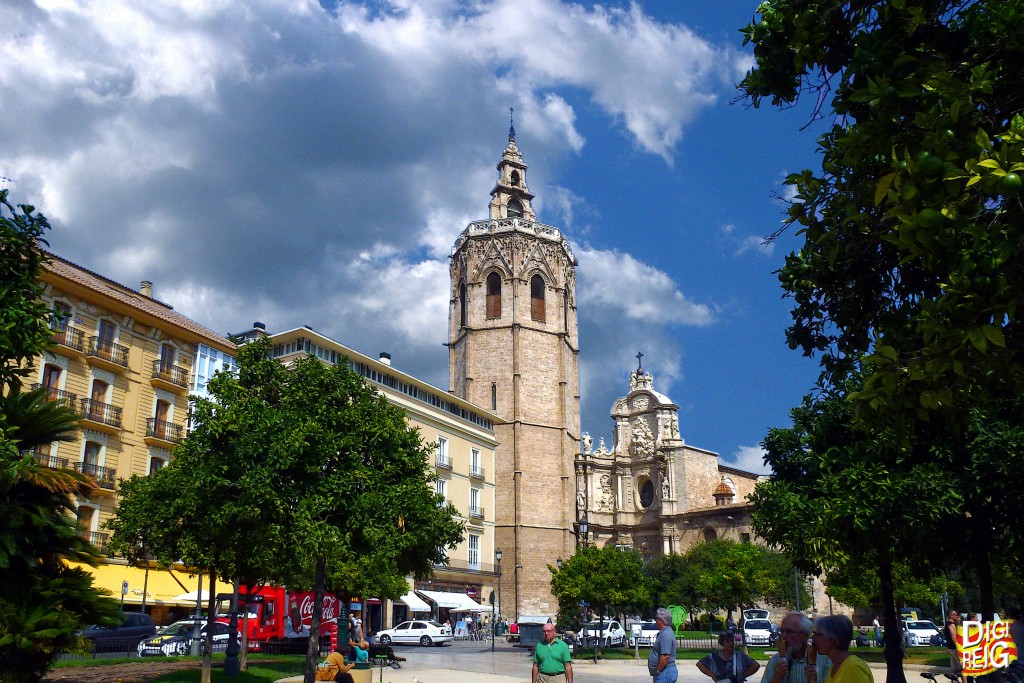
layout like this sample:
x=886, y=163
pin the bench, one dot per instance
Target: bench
x=384, y=655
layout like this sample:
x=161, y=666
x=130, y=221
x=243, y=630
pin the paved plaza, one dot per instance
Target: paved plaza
x=472, y=661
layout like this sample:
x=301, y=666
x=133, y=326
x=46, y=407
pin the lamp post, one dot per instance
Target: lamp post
x=584, y=527
x=497, y=614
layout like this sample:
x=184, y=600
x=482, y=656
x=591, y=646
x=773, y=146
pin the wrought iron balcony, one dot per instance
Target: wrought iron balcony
x=106, y=477
x=97, y=538
x=463, y=566
x=170, y=373
x=476, y=472
x=443, y=462
x=476, y=513
x=70, y=338
x=65, y=398
x=101, y=413
x=44, y=458
x=107, y=350
x=164, y=430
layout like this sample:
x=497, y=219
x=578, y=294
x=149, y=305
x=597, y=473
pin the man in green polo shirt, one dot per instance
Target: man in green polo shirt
x=552, y=662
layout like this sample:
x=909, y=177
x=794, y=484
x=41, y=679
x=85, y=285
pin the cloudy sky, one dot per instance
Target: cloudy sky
x=304, y=163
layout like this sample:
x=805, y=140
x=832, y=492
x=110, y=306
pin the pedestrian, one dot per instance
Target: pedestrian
x=661, y=661
x=552, y=662
x=878, y=630
x=728, y=663
x=791, y=667
x=832, y=637
x=730, y=624
x=956, y=667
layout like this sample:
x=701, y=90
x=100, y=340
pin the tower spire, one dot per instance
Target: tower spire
x=511, y=126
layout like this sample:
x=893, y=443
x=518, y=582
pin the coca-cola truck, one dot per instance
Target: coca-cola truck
x=279, y=619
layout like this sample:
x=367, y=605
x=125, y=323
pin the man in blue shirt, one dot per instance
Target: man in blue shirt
x=661, y=662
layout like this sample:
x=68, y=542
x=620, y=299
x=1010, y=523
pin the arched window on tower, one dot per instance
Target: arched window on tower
x=515, y=177
x=537, y=298
x=515, y=208
x=462, y=303
x=493, y=295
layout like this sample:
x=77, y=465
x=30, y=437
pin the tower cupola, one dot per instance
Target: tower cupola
x=511, y=198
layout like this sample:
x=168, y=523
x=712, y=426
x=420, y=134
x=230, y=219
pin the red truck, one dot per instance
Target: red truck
x=279, y=619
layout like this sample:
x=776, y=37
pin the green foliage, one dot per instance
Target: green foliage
x=303, y=476
x=723, y=574
x=912, y=228
x=609, y=579
x=23, y=316
x=43, y=603
x=856, y=584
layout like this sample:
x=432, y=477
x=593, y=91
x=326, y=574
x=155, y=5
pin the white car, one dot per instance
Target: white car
x=920, y=633
x=642, y=633
x=612, y=635
x=759, y=632
x=426, y=633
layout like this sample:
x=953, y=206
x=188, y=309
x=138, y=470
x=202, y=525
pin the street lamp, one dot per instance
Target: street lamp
x=497, y=614
x=584, y=528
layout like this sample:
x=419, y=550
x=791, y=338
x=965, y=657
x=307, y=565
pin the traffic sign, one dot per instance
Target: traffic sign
x=124, y=588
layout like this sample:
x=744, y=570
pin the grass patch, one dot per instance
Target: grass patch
x=258, y=672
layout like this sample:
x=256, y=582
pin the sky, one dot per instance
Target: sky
x=303, y=163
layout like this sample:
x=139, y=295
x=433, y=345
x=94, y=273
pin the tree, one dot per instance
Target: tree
x=43, y=603
x=604, y=578
x=723, y=574
x=910, y=273
x=303, y=476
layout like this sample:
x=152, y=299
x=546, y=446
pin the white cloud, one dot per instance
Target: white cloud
x=748, y=459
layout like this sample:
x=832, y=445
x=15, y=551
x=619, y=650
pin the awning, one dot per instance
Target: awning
x=441, y=599
x=470, y=605
x=190, y=597
x=414, y=603
x=163, y=586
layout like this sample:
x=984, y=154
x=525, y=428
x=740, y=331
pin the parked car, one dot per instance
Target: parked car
x=425, y=633
x=642, y=633
x=176, y=639
x=755, y=614
x=760, y=632
x=612, y=635
x=134, y=628
x=920, y=633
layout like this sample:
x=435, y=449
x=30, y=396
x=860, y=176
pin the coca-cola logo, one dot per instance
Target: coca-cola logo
x=329, y=609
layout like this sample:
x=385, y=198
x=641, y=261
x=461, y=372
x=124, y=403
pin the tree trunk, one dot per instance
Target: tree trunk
x=983, y=558
x=893, y=633
x=206, y=672
x=313, y=650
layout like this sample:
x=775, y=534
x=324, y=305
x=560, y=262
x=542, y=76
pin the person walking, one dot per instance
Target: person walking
x=728, y=664
x=792, y=666
x=552, y=662
x=661, y=661
x=832, y=636
x=878, y=631
x=956, y=666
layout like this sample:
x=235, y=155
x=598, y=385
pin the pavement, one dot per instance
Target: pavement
x=473, y=661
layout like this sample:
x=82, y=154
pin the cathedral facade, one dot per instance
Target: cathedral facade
x=651, y=491
x=514, y=350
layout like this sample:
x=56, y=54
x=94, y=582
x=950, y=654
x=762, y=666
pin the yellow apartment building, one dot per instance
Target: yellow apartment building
x=464, y=443
x=124, y=360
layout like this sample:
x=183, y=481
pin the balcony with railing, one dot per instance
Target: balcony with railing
x=69, y=338
x=64, y=398
x=476, y=513
x=106, y=477
x=162, y=432
x=463, y=566
x=443, y=462
x=97, y=538
x=101, y=416
x=169, y=376
x=107, y=354
x=43, y=457
x=476, y=472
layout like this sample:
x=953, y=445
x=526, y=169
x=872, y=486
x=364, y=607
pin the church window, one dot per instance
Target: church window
x=462, y=303
x=515, y=208
x=537, y=298
x=646, y=493
x=515, y=177
x=493, y=295
x=494, y=395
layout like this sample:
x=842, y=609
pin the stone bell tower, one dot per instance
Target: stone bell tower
x=514, y=350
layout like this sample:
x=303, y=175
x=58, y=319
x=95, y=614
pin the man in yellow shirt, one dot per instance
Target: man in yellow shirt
x=335, y=669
